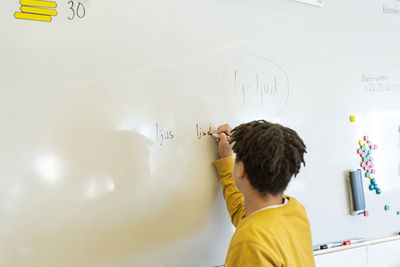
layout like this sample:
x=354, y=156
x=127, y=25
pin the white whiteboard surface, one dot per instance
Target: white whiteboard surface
x=85, y=179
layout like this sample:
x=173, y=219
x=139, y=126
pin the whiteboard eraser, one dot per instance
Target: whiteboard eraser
x=357, y=191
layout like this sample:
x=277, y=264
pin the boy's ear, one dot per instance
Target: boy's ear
x=241, y=170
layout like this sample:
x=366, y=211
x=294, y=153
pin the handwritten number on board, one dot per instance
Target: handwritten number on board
x=79, y=11
x=80, y=7
x=72, y=8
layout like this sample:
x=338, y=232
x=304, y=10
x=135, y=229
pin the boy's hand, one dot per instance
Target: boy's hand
x=224, y=148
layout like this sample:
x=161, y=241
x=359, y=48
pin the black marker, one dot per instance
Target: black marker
x=331, y=245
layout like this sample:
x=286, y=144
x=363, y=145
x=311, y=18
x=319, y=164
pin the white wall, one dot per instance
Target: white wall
x=378, y=255
x=348, y=258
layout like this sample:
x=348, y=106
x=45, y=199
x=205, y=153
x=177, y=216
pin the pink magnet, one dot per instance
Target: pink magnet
x=373, y=171
x=366, y=138
x=369, y=163
x=363, y=164
x=366, y=213
x=363, y=155
x=359, y=151
x=369, y=143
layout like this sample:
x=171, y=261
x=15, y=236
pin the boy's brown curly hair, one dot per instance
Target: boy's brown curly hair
x=271, y=154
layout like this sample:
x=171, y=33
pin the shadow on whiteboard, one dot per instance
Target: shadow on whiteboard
x=123, y=209
x=350, y=203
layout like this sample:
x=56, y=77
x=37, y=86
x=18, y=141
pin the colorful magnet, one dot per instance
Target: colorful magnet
x=371, y=187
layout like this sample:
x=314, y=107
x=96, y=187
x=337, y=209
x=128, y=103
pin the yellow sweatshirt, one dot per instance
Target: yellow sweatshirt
x=272, y=237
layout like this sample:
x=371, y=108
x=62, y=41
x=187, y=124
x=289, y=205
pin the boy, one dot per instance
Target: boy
x=271, y=229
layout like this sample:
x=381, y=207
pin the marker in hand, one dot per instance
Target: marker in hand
x=217, y=136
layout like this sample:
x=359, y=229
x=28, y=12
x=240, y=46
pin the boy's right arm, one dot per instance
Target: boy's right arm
x=233, y=198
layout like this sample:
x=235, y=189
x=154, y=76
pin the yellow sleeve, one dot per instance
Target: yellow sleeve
x=249, y=254
x=233, y=198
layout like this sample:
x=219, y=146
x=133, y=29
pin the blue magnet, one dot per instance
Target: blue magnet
x=371, y=187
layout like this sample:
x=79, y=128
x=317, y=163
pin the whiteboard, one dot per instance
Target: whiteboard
x=105, y=111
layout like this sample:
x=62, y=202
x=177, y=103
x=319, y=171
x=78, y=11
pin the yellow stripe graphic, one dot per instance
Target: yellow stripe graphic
x=39, y=11
x=28, y=16
x=37, y=3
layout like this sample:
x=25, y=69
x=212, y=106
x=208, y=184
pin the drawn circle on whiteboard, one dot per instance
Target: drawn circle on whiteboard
x=256, y=86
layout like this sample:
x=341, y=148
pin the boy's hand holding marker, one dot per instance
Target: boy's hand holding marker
x=224, y=147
